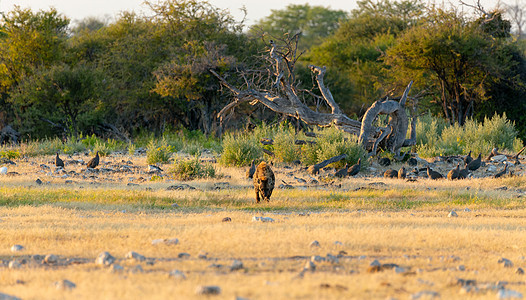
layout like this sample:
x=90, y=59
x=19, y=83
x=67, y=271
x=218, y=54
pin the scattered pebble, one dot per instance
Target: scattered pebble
x=183, y=255
x=38, y=181
x=519, y=271
x=177, y=274
x=105, y=259
x=399, y=270
x=236, y=265
x=3, y=170
x=314, y=244
x=452, y=214
x=17, y=248
x=51, y=259
x=375, y=263
x=461, y=268
x=317, y=258
x=202, y=255
x=115, y=268
x=172, y=241
x=425, y=295
x=14, y=265
x=508, y=294
x=506, y=262
x=467, y=209
x=208, y=290
x=227, y=219
x=65, y=285
x=134, y=255
x=309, y=266
x=136, y=269
x=262, y=219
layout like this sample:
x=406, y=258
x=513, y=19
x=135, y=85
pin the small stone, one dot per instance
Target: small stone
x=134, y=255
x=8, y=297
x=461, y=268
x=375, y=263
x=115, y=268
x=506, y=262
x=3, y=170
x=452, y=214
x=332, y=259
x=338, y=243
x=314, y=244
x=175, y=205
x=226, y=219
x=183, y=255
x=519, y=271
x=51, y=259
x=38, y=181
x=309, y=266
x=17, y=248
x=208, y=290
x=508, y=294
x=236, y=265
x=491, y=169
x=65, y=285
x=399, y=270
x=177, y=274
x=425, y=295
x=317, y=258
x=202, y=255
x=14, y=265
x=136, y=269
x=467, y=209
x=262, y=219
x=499, y=158
x=172, y=241
x=105, y=259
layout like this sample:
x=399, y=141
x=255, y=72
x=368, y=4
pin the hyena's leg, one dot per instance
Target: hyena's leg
x=257, y=194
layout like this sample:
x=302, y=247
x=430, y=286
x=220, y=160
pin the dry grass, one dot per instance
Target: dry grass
x=395, y=222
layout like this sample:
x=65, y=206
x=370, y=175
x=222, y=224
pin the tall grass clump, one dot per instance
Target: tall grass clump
x=285, y=148
x=239, y=149
x=477, y=137
x=192, y=169
x=332, y=142
x=158, y=151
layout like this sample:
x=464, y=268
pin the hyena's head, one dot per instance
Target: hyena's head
x=264, y=187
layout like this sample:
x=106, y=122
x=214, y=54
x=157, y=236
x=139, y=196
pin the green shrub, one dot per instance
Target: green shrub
x=284, y=148
x=158, y=152
x=192, y=169
x=433, y=139
x=10, y=154
x=240, y=149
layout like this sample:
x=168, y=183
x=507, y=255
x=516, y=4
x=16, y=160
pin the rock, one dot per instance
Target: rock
x=177, y=274
x=226, y=219
x=467, y=210
x=519, y=271
x=38, y=181
x=236, y=265
x=499, y=158
x=425, y=295
x=314, y=244
x=506, y=262
x=136, y=269
x=183, y=255
x=105, y=259
x=317, y=258
x=491, y=169
x=14, y=265
x=65, y=285
x=134, y=255
x=3, y=170
x=202, y=255
x=461, y=268
x=51, y=259
x=8, y=297
x=309, y=266
x=508, y=294
x=115, y=268
x=172, y=241
x=262, y=219
x=17, y=248
x=452, y=214
x=375, y=263
x=399, y=270
x=154, y=169
x=208, y=290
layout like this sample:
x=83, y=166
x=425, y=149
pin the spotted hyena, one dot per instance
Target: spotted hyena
x=263, y=181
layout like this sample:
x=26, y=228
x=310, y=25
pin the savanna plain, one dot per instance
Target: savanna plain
x=363, y=237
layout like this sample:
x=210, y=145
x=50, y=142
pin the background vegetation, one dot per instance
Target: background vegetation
x=142, y=74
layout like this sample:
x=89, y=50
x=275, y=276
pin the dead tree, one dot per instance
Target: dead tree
x=283, y=96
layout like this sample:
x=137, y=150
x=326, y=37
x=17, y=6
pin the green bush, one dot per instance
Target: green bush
x=240, y=149
x=192, y=169
x=284, y=148
x=333, y=142
x=10, y=154
x=433, y=139
x=158, y=152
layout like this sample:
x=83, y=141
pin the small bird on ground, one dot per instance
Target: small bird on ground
x=463, y=173
x=453, y=174
x=433, y=174
x=59, y=162
x=401, y=173
x=94, y=162
x=355, y=169
x=250, y=172
x=468, y=158
x=391, y=173
x=475, y=164
x=342, y=172
x=502, y=173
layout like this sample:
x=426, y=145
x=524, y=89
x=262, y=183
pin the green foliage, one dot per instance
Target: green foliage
x=240, y=149
x=284, y=147
x=473, y=136
x=105, y=148
x=191, y=169
x=10, y=154
x=158, y=152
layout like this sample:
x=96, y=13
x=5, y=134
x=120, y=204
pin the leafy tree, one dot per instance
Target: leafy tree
x=454, y=58
x=60, y=98
x=314, y=22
